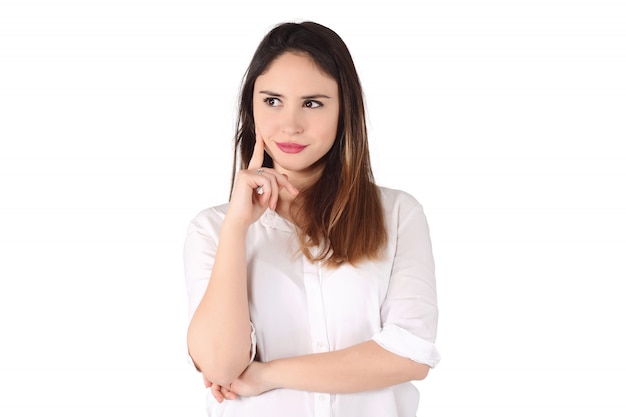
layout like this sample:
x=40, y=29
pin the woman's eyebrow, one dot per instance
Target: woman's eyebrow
x=309, y=97
x=270, y=93
x=315, y=96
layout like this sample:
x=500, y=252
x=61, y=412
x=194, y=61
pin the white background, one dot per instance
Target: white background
x=506, y=119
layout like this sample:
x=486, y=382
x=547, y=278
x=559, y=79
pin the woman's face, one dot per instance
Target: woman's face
x=296, y=111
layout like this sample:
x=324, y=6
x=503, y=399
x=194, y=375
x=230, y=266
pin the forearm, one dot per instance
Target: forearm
x=219, y=331
x=363, y=367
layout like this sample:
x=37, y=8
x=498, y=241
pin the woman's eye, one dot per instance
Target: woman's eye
x=312, y=104
x=272, y=101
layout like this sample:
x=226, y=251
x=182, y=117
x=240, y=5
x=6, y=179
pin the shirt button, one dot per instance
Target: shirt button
x=321, y=397
x=320, y=346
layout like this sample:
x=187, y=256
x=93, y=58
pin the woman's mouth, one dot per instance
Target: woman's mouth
x=289, y=147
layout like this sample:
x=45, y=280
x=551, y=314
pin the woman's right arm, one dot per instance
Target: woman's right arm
x=218, y=338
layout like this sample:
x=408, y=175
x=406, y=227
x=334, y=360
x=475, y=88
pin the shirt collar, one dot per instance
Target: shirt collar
x=273, y=220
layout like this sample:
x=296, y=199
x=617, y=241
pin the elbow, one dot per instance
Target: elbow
x=219, y=366
x=221, y=375
x=219, y=372
x=420, y=371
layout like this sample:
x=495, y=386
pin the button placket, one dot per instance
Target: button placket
x=317, y=323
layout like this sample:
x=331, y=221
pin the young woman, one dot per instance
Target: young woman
x=312, y=292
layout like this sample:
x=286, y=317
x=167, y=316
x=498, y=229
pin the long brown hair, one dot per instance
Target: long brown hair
x=340, y=217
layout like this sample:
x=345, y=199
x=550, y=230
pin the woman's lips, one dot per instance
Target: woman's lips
x=289, y=147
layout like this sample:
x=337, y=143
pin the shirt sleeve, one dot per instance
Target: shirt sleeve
x=409, y=313
x=198, y=255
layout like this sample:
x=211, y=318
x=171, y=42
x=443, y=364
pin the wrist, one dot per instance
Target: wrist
x=271, y=375
x=233, y=226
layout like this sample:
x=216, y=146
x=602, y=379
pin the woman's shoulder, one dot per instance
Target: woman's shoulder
x=399, y=199
x=209, y=219
x=402, y=211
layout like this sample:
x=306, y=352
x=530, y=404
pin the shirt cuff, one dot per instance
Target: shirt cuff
x=403, y=343
x=252, y=343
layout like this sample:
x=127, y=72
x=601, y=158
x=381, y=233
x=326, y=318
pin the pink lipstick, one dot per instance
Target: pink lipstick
x=290, y=147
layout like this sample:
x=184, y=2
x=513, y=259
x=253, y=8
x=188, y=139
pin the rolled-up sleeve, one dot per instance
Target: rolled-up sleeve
x=409, y=313
x=199, y=253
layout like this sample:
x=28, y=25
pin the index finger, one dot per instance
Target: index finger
x=258, y=153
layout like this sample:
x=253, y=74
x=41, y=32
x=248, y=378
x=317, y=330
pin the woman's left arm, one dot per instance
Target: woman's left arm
x=402, y=351
x=363, y=367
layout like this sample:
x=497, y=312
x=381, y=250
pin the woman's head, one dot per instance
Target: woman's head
x=331, y=56
x=339, y=215
x=296, y=113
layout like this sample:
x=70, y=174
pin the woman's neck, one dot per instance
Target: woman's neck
x=300, y=180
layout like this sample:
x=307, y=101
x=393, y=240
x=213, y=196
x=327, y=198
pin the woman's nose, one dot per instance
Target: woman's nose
x=292, y=123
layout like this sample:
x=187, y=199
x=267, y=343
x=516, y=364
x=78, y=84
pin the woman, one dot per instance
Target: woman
x=312, y=292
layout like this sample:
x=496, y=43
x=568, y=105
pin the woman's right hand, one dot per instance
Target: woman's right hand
x=219, y=393
x=246, y=204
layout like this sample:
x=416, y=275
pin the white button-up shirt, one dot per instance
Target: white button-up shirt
x=298, y=307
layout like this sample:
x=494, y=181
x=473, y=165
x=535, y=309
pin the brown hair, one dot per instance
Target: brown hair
x=341, y=214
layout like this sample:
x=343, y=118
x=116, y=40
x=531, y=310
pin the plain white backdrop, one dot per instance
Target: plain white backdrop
x=505, y=119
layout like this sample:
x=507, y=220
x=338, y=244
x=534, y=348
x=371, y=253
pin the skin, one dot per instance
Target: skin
x=228, y=341
x=295, y=103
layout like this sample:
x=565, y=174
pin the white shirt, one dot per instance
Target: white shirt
x=298, y=307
